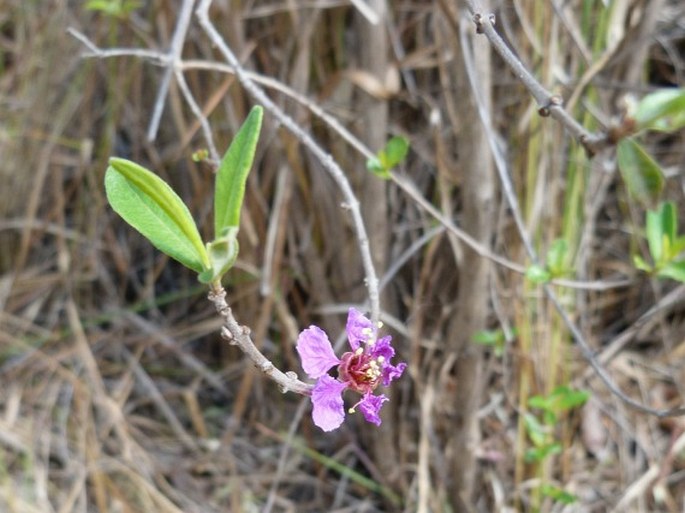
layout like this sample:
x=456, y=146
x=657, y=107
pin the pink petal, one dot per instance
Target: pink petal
x=329, y=411
x=359, y=329
x=383, y=348
x=316, y=352
x=391, y=372
x=370, y=406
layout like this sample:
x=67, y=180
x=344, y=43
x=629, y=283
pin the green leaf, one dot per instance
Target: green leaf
x=556, y=257
x=669, y=221
x=540, y=453
x=655, y=235
x=232, y=174
x=566, y=398
x=395, y=151
x=641, y=174
x=558, y=494
x=536, y=431
x=639, y=263
x=673, y=270
x=114, y=8
x=538, y=274
x=222, y=255
x=661, y=110
x=488, y=337
x=149, y=205
x=678, y=246
x=492, y=338
x=376, y=167
x=562, y=398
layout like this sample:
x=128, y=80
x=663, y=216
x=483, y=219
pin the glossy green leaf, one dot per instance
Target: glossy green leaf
x=232, y=174
x=673, y=270
x=149, y=205
x=641, y=174
x=661, y=110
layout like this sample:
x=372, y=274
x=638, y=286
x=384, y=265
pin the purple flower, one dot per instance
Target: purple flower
x=361, y=370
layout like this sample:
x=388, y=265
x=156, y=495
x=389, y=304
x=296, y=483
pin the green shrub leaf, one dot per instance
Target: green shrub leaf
x=538, y=274
x=640, y=263
x=232, y=174
x=394, y=153
x=149, y=205
x=556, y=257
x=661, y=110
x=673, y=270
x=641, y=174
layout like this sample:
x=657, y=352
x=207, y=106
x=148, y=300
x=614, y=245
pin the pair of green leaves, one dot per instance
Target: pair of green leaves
x=150, y=205
x=663, y=110
x=394, y=153
x=664, y=243
x=555, y=266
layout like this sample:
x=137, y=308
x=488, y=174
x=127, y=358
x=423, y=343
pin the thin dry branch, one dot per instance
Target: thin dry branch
x=239, y=335
x=174, y=56
x=549, y=104
x=403, y=182
x=507, y=186
x=326, y=160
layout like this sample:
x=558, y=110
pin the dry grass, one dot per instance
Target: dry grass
x=119, y=395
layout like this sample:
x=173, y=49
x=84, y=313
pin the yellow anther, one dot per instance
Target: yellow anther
x=359, y=351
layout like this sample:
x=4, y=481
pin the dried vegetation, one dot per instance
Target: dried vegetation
x=120, y=396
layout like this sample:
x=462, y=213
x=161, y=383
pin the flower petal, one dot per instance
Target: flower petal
x=329, y=411
x=359, y=328
x=383, y=348
x=316, y=352
x=391, y=372
x=370, y=406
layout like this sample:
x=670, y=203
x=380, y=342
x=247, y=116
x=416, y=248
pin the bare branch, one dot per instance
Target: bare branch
x=508, y=189
x=240, y=336
x=306, y=139
x=95, y=51
x=173, y=56
x=549, y=104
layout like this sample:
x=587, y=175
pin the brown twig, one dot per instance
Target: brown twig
x=541, y=94
x=549, y=104
x=239, y=335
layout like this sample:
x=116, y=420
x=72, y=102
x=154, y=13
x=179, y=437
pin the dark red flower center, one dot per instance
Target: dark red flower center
x=360, y=371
